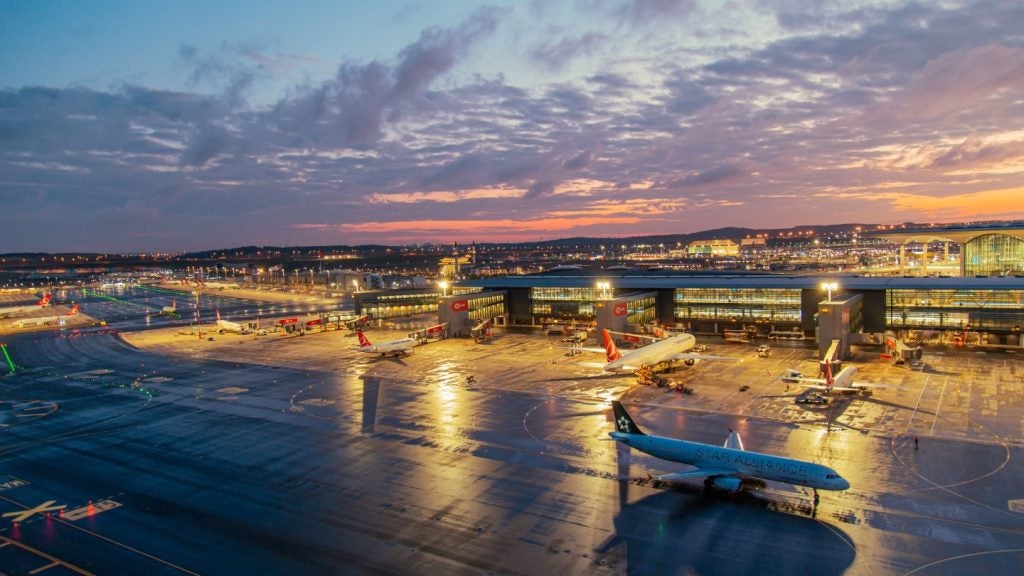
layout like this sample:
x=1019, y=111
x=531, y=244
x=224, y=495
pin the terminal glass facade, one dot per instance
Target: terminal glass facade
x=567, y=303
x=994, y=255
x=766, y=305
x=641, y=311
x=384, y=305
x=487, y=307
x=985, y=310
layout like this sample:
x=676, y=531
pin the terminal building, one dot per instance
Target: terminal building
x=984, y=250
x=982, y=309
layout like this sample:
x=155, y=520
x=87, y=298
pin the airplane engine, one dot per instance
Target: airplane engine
x=727, y=483
x=690, y=361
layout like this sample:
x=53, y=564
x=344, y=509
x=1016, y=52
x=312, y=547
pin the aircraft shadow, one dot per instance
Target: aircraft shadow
x=683, y=531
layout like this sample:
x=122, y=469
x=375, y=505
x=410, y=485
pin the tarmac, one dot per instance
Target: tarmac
x=290, y=454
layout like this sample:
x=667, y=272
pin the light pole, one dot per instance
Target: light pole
x=829, y=286
x=604, y=287
x=444, y=288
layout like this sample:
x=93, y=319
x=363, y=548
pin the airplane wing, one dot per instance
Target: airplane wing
x=692, y=356
x=822, y=384
x=859, y=387
x=698, y=473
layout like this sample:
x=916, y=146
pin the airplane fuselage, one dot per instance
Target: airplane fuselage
x=226, y=326
x=744, y=462
x=395, y=348
x=654, y=353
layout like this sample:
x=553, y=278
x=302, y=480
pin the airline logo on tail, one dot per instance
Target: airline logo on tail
x=73, y=311
x=611, y=350
x=363, y=340
x=45, y=301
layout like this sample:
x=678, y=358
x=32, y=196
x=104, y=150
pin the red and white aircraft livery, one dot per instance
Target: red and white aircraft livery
x=394, y=348
x=842, y=382
x=674, y=348
x=23, y=309
x=43, y=320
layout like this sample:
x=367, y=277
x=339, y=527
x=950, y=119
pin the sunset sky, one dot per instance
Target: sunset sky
x=168, y=126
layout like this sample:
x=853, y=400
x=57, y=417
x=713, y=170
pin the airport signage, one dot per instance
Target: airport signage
x=460, y=305
x=435, y=329
x=620, y=309
x=285, y=321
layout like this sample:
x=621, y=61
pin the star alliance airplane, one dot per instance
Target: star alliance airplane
x=725, y=467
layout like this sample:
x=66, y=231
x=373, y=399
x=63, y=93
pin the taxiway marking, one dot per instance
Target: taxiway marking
x=26, y=514
x=90, y=510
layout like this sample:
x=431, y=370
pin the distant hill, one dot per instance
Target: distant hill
x=733, y=233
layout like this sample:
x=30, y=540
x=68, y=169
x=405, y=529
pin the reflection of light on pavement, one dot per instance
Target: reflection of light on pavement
x=447, y=378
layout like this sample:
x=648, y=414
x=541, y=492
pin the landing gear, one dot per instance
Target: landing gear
x=815, y=497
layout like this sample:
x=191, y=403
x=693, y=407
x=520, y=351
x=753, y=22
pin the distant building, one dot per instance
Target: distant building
x=985, y=250
x=749, y=244
x=715, y=247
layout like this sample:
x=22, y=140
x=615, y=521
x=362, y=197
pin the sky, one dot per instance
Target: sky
x=143, y=126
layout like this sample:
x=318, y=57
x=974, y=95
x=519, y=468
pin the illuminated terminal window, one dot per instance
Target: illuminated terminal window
x=487, y=307
x=641, y=311
x=994, y=255
x=956, y=309
x=563, y=302
x=738, y=304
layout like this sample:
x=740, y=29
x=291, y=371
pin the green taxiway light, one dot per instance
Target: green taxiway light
x=8, y=358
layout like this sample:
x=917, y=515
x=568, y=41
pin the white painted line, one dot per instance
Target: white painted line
x=916, y=406
x=939, y=407
x=21, y=516
x=47, y=567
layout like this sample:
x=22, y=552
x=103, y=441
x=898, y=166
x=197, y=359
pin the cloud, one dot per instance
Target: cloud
x=556, y=55
x=736, y=117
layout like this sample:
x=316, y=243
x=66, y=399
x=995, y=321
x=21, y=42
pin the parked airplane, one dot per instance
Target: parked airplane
x=725, y=467
x=665, y=351
x=394, y=348
x=43, y=320
x=170, y=310
x=842, y=382
x=15, y=310
x=229, y=326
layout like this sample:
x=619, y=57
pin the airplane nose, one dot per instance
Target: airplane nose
x=844, y=484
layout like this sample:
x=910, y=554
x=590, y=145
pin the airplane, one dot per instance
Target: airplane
x=43, y=320
x=394, y=348
x=15, y=310
x=665, y=351
x=229, y=326
x=725, y=467
x=842, y=382
x=170, y=310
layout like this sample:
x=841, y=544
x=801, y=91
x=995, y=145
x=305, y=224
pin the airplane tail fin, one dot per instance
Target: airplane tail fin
x=829, y=379
x=734, y=441
x=45, y=301
x=611, y=350
x=74, y=310
x=218, y=314
x=623, y=423
x=363, y=340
